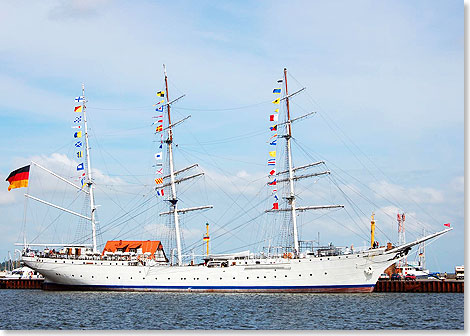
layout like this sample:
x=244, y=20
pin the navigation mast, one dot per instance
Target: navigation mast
x=293, y=208
x=173, y=200
x=291, y=197
x=89, y=182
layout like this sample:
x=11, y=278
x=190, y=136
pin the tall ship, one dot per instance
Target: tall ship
x=145, y=265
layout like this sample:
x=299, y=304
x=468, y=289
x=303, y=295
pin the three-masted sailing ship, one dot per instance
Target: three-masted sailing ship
x=144, y=265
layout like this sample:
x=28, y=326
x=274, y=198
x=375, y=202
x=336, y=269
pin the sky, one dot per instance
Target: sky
x=385, y=79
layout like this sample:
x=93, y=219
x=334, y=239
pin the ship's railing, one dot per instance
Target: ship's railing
x=107, y=257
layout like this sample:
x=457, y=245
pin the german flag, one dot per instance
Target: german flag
x=18, y=178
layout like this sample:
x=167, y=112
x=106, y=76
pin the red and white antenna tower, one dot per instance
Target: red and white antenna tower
x=401, y=237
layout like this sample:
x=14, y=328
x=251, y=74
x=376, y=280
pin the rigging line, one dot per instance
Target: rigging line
x=380, y=170
x=115, y=222
x=214, y=234
x=223, y=109
x=179, y=108
x=110, y=198
x=108, y=225
x=118, y=109
x=119, y=163
x=128, y=219
x=135, y=228
x=374, y=204
x=213, y=161
x=349, y=200
x=226, y=176
x=233, y=230
x=250, y=135
x=54, y=220
x=274, y=235
x=383, y=173
x=353, y=205
x=364, y=185
x=225, y=158
x=222, y=227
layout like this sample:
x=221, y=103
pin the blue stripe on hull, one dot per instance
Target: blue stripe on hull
x=339, y=288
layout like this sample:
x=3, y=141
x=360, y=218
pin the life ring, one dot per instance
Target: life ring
x=284, y=255
x=289, y=255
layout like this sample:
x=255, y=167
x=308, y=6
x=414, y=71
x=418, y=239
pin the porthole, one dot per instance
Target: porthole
x=326, y=273
x=81, y=276
x=274, y=277
x=257, y=277
x=247, y=278
x=168, y=278
x=92, y=277
x=265, y=276
x=285, y=276
x=220, y=278
x=310, y=274
x=233, y=278
x=56, y=261
x=300, y=274
x=119, y=277
x=73, y=275
x=107, y=277
x=131, y=278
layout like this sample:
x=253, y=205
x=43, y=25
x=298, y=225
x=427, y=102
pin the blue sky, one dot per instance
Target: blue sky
x=386, y=80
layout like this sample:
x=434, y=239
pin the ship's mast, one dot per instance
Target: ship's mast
x=291, y=197
x=89, y=178
x=173, y=200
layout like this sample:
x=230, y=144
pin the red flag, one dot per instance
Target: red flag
x=272, y=172
x=275, y=206
x=447, y=224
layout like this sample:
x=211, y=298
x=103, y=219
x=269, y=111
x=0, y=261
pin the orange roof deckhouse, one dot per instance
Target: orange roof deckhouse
x=151, y=246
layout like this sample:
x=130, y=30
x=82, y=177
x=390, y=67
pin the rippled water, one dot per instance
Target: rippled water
x=36, y=309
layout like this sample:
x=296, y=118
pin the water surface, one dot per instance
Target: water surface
x=36, y=309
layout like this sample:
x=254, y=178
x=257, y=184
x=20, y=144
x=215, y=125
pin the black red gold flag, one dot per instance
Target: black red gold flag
x=18, y=178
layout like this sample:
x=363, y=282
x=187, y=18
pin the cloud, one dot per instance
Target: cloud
x=458, y=184
x=6, y=197
x=417, y=194
x=75, y=9
x=240, y=182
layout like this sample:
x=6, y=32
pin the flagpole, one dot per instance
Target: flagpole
x=173, y=200
x=89, y=178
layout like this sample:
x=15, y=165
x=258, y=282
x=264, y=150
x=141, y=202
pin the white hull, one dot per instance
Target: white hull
x=345, y=273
